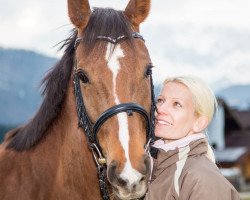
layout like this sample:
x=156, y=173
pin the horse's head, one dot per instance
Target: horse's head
x=114, y=67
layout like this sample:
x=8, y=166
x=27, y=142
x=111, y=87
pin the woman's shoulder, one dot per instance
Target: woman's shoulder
x=200, y=173
x=200, y=167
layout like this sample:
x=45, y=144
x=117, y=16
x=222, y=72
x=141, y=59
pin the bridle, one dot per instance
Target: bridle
x=91, y=129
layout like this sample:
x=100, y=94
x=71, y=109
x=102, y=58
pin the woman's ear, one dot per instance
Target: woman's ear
x=200, y=124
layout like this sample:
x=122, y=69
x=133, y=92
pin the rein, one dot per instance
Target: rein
x=91, y=129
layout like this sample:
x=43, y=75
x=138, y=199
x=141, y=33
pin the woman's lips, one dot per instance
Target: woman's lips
x=163, y=122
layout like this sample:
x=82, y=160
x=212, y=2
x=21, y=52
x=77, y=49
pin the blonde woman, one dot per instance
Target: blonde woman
x=184, y=168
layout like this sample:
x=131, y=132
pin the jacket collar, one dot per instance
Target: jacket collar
x=159, y=144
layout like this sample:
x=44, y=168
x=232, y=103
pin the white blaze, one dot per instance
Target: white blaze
x=128, y=173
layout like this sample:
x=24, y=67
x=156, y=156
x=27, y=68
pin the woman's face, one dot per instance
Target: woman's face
x=175, y=116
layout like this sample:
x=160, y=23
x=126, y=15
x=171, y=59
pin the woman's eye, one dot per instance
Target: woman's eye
x=83, y=77
x=177, y=104
x=159, y=101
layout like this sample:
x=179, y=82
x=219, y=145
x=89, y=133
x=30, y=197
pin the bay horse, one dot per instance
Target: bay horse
x=95, y=117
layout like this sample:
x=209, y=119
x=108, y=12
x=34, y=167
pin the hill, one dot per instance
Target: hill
x=21, y=72
x=237, y=96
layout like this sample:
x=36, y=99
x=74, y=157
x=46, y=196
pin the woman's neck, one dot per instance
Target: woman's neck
x=173, y=144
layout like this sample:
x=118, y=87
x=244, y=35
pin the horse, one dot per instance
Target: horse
x=94, y=122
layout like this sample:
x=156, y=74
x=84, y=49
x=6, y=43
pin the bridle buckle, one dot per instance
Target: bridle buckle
x=99, y=159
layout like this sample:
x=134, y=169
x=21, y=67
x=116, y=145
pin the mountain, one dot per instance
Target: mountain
x=21, y=72
x=237, y=96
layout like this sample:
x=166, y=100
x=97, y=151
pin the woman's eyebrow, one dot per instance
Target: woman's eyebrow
x=177, y=98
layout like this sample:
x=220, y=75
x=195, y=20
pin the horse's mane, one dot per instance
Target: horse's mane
x=55, y=85
x=102, y=22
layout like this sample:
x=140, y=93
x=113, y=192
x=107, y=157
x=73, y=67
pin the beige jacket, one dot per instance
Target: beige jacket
x=187, y=174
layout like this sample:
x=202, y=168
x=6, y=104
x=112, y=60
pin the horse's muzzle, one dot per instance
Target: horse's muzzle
x=124, y=187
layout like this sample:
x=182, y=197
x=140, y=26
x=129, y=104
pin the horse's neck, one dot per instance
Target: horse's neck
x=76, y=168
x=59, y=167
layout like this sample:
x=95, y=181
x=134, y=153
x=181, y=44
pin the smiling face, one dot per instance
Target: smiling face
x=175, y=117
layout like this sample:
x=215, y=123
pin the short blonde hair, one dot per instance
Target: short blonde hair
x=205, y=102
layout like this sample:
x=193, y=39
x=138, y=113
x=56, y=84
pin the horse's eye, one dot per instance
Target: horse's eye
x=148, y=71
x=83, y=77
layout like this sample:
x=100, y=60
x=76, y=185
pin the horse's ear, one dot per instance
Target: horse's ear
x=137, y=11
x=79, y=13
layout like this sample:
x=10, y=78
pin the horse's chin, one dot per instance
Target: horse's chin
x=128, y=197
x=123, y=193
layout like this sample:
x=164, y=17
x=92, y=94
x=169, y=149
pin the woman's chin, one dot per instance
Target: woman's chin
x=159, y=132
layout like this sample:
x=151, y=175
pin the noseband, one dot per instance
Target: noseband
x=91, y=129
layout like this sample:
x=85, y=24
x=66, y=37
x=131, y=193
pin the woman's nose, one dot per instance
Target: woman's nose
x=159, y=108
x=162, y=108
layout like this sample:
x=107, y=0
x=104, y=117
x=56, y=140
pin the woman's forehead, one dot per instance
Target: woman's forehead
x=175, y=90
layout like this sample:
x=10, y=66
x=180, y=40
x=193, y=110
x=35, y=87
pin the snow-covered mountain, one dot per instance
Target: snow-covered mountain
x=21, y=72
x=237, y=96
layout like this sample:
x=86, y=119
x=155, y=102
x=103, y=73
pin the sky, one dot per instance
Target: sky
x=206, y=38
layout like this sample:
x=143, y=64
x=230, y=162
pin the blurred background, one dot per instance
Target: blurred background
x=209, y=39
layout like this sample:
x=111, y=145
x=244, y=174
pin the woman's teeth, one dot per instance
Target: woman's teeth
x=164, y=122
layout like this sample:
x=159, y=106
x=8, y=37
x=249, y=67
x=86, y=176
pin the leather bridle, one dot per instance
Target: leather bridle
x=91, y=129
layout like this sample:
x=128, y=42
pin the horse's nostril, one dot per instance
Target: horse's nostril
x=113, y=176
x=122, y=182
x=142, y=179
x=111, y=171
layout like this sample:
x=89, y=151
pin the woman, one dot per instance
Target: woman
x=184, y=167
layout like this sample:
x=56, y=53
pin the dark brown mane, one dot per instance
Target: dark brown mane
x=102, y=22
x=55, y=86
